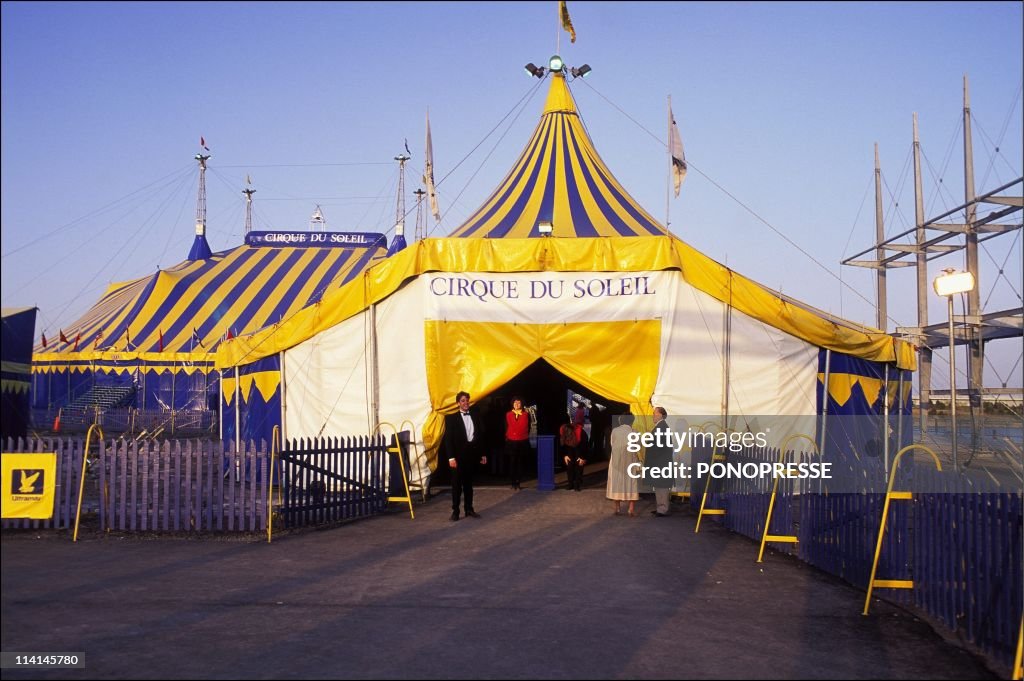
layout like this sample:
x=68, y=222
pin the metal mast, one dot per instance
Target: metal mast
x=400, y=203
x=248, y=191
x=421, y=221
x=201, y=200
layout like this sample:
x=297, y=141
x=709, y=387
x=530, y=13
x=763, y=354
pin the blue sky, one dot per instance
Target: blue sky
x=778, y=104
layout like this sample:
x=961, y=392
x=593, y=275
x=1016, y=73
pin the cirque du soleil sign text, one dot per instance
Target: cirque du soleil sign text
x=486, y=290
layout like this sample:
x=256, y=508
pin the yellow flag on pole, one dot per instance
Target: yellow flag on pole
x=566, y=21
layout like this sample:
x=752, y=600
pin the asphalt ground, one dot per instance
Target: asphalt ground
x=543, y=585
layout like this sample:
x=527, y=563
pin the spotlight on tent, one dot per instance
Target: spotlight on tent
x=544, y=227
x=534, y=70
x=581, y=71
x=556, y=64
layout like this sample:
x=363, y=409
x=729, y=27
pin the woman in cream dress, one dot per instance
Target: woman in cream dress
x=621, y=486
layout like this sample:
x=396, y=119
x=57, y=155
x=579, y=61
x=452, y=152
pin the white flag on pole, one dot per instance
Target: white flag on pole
x=428, y=174
x=675, y=143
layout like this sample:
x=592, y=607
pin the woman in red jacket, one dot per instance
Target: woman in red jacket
x=517, y=439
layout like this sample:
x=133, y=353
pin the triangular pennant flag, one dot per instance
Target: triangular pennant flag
x=44, y=341
x=63, y=338
x=161, y=332
x=428, y=174
x=675, y=144
x=78, y=337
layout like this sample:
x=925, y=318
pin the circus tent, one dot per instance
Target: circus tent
x=560, y=264
x=155, y=337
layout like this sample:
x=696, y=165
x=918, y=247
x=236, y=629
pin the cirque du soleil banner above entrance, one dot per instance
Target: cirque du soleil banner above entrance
x=543, y=296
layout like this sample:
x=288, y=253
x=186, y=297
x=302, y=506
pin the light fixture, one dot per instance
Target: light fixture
x=544, y=228
x=534, y=70
x=949, y=284
x=952, y=282
x=556, y=64
x=581, y=71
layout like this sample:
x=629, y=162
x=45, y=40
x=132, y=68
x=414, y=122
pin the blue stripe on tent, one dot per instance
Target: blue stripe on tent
x=160, y=316
x=139, y=303
x=627, y=205
x=239, y=290
x=516, y=209
x=469, y=228
x=251, y=310
x=547, y=202
x=94, y=327
x=328, y=281
x=286, y=301
x=188, y=316
x=613, y=218
x=581, y=221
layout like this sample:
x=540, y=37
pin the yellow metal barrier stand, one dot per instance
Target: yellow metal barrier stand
x=890, y=494
x=397, y=449
x=1018, y=668
x=81, y=484
x=785, y=538
x=416, y=449
x=704, y=498
x=275, y=442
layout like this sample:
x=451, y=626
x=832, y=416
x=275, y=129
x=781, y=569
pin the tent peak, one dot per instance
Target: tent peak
x=559, y=98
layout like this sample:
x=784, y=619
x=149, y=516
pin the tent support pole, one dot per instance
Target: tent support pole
x=220, y=405
x=726, y=361
x=374, y=368
x=284, y=401
x=238, y=415
x=885, y=417
x=824, y=401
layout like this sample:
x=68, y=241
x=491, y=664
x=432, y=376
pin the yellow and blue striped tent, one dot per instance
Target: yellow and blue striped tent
x=171, y=322
x=612, y=301
x=560, y=179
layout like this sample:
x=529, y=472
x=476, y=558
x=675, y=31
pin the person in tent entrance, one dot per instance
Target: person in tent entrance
x=517, y=440
x=621, y=485
x=572, y=441
x=463, y=435
x=659, y=456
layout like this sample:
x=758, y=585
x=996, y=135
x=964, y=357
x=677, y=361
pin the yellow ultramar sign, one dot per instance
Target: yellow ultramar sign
x=28, y=482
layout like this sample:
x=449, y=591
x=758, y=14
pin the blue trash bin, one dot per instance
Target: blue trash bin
x=545, y=463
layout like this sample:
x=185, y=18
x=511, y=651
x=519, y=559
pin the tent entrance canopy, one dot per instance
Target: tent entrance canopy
x=617, y=359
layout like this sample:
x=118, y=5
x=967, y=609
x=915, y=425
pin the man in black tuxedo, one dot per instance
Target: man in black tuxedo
x=463, y=444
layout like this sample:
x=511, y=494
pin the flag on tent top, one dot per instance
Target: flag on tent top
x=563, y=12
x=78, y=337
x=161, y=333
x=202, y=143
x=675, y=143
x=44, y=341
x=63, y=338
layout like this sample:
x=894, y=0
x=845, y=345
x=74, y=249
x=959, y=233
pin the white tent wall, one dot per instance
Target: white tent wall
x=693, y=353
x=770, y=372
x=329, y=376
x=326, y=383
